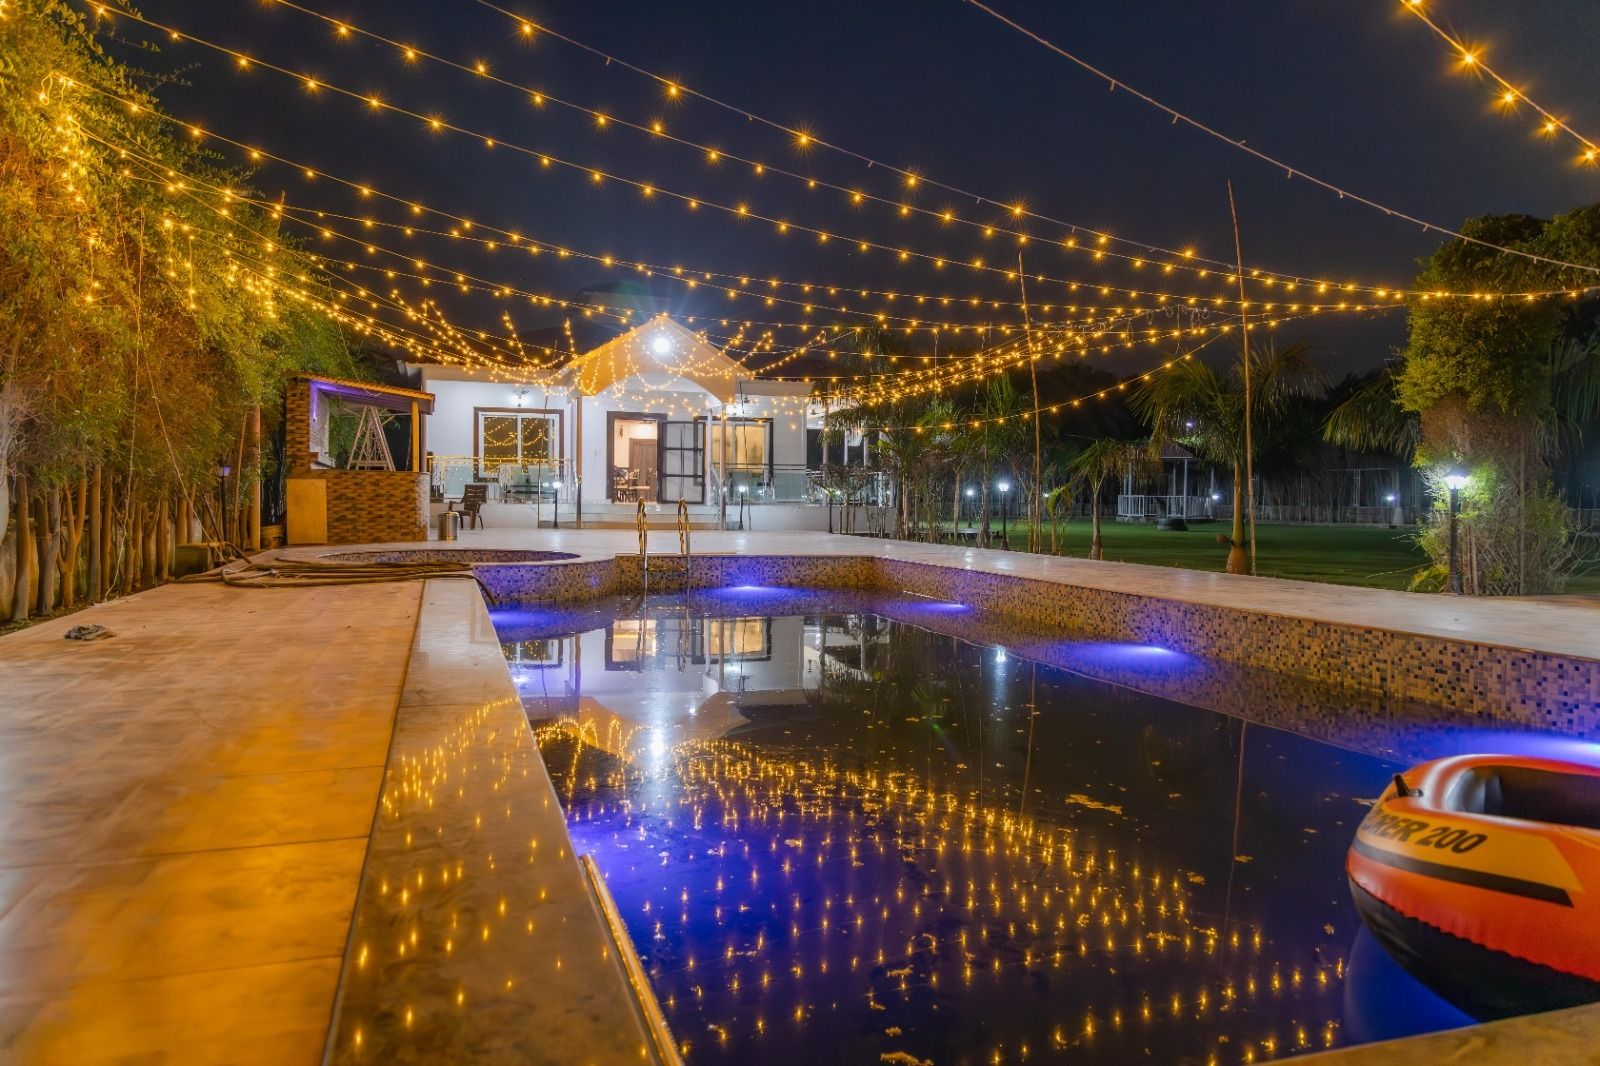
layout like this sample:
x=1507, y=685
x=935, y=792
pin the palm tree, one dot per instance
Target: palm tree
x=1372, y=420
x=1203, y=408
x=1091, y=467
x=1002, y=433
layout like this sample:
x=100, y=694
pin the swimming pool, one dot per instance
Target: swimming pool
x=875, y=830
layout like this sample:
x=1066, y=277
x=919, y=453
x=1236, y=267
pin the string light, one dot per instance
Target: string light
x=1175, y=257
x=1290, y=171
x=902, y=254
x=463, y=228
x=1507, y=95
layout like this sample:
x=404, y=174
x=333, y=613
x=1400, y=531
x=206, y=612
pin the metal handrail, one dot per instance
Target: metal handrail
x=683, y=541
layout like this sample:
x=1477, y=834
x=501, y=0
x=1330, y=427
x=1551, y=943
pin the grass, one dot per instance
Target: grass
x=1341, y=555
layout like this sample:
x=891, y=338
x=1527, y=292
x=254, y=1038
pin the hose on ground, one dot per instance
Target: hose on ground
x=284, y=573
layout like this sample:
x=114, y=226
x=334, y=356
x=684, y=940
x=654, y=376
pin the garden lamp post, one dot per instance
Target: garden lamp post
x=1004, y=487
x=971, y=492
x=1455, y=481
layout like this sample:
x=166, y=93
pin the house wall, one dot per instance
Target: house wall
x=450, y=427
x=451, y=424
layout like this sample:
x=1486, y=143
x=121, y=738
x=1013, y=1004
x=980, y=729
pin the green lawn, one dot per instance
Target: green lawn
x=1343, y=555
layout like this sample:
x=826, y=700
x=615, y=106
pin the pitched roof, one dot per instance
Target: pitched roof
x=660, y=354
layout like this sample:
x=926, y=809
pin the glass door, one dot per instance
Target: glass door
x=683, y=462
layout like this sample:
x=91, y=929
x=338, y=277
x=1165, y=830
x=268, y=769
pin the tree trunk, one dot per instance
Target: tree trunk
x=48, y=527
x=75, y=506
x=1096, y=548
x=22, y=599
x=1238, y=558
x=253, y=542
x=983, y=507
x=164, y=540
x=147, y=515
x=132, y=542
x=108, y=537
x=96, y=578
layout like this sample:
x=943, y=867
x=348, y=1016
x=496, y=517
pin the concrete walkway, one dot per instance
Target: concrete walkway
x=184, y=813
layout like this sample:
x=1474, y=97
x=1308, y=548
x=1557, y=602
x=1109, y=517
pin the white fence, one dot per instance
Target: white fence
x=1141, y=508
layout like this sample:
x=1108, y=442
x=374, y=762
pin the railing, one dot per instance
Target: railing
x=509, y=481
x=760, y=483
x=1144, y=507
x=683, y=540
x=544, y=485
x=1329, y=514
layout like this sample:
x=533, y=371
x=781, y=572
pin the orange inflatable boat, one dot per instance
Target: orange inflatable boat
x=1481, y=875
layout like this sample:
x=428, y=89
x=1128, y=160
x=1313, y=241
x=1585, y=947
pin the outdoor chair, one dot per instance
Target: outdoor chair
x=473, y=497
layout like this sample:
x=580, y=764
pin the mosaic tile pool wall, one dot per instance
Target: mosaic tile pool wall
x=1486, y=683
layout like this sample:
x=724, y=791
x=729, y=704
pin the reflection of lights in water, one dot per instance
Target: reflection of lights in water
x=1126, y=654
x=785, y=894
x=918, y=604
x=999, y=655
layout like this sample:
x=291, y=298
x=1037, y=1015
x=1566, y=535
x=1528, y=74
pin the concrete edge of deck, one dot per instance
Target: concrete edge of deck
x=475, y=936
x=1554, y=1038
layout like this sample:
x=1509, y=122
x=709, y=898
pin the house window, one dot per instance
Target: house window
x=514, y=437
x=748, y=445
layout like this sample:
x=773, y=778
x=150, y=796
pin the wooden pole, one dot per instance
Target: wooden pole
x=416, y=437
x=1035, y=507
x=1244, y=340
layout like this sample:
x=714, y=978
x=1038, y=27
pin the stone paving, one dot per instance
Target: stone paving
x=184, y=813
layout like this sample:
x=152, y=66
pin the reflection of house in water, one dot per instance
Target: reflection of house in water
x=670, y=675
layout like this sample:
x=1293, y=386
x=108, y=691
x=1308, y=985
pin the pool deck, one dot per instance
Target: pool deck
x=184, y=814
x=189, y=809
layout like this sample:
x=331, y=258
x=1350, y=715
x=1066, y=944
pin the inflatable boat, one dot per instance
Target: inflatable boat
x=1480, y=874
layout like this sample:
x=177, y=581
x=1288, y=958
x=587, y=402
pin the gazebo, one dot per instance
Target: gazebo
x=377, y=489
x=1178, y=501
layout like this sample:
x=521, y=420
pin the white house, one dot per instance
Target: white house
x=656, y=414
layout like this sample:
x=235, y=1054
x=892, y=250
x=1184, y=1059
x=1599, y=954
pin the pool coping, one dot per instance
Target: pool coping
x=1536, y=626
x=1516, y=683
x=475, y=935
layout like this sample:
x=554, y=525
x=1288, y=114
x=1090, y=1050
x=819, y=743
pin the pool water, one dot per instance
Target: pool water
x=837, y=831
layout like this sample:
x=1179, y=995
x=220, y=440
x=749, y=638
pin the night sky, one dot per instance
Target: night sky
x=1354, y=91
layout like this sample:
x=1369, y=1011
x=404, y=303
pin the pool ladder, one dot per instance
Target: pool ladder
x=685, y=556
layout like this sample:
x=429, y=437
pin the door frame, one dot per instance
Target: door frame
x=612, y=418
x=699, y=474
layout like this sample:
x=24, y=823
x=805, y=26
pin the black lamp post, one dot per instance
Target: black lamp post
x=1455, y=481
x=1005, y=499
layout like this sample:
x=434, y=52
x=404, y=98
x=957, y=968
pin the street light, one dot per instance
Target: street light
x=1004, y=487
x=971, y=492
x=1455, y=481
